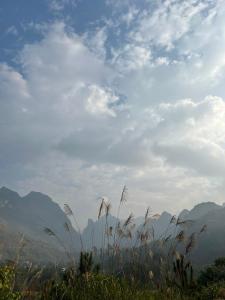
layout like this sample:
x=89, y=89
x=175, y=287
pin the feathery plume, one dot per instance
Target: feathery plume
x=128, y=220
x=66, y=226
x=156, y=216
x=151, y=275
x=124, y=194
x=68, y=211
x=151, y=254
x=147, y=213
x=167, y=239
x=173, y=220
x=146, y=217
x=107, y=208
x=184, y=222
x=191, y=243
x=49, y=231
x=101, y=208
x=180, y=236
x=203, y=229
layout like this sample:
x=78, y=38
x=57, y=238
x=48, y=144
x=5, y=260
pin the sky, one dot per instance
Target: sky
x=95, y=95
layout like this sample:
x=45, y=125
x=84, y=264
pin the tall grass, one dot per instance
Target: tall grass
x=130, y=264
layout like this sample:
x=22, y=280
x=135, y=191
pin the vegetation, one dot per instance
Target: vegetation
x=70, y=284
x=7, y=283
x=147, y=269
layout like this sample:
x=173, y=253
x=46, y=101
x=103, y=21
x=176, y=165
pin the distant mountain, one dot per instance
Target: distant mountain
x=202, y=209
x=38, y=251
x=183, y=214
x=209, y=244
x=93, y=234
x=206, y=223
x=29, y=215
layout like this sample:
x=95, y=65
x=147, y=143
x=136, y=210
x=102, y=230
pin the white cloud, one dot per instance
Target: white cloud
x=130, y=15
x=99, y=101
x=79, y=124
x=168, y=23
x=59, y=5
x=12, y=30
x=191, y=134
x=96, y=41
x=131, y=57
x=50, y=99
x=10, y=78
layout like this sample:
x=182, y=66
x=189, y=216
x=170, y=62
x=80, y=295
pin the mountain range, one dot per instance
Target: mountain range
x=32, y=214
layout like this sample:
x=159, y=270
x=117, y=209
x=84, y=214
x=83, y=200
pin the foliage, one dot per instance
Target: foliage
x=100, y=286
x=86, y=263
x=7, y=280
x=214, y=273
x=183, y=272
x=134, y=266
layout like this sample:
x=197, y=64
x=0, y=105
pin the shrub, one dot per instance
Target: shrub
x=7, y=280
x=214, y=273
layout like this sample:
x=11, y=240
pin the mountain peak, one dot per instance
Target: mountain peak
x=90, y=222
x=202, y=209
x=37, y=196
x=184, y=213
x=165, y=214
x=8, y=194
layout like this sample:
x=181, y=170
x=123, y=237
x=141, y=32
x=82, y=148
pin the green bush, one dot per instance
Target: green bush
x=7, y=279
x=100, y=287
x=214, y=273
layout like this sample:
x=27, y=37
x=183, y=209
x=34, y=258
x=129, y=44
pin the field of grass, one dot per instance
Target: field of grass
x=149, y=269
x=70, y=284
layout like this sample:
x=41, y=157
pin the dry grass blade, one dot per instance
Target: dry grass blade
x=123, y=195
x=68, y=211
x=156, y=216
x=49, y=231
x=129, y=234
x=101, y=208
x=184, y=222
x=66, y=226
x=147, y=219
x=180, y=236
x=177, y=255
x=119, y=230
x=173, y=220
x=151, y=254
x=107, y=208
x=110, y=231
x=167, y=239
x=147, y=213
x=203, y=229
x=144, y=236
x=132, y=226
x=151, y=275
x=152, y=232
x=128, y=220
x=191, y=243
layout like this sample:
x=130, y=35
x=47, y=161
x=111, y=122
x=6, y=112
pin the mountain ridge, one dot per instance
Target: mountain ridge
x=33, y=212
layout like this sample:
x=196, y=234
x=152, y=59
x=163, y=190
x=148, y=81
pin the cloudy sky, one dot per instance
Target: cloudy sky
x=98, y=94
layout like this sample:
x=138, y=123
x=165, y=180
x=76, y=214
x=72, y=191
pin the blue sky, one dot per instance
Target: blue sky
x=98, y=94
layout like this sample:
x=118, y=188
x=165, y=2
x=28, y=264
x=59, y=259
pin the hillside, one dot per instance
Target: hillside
x=29, y=215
